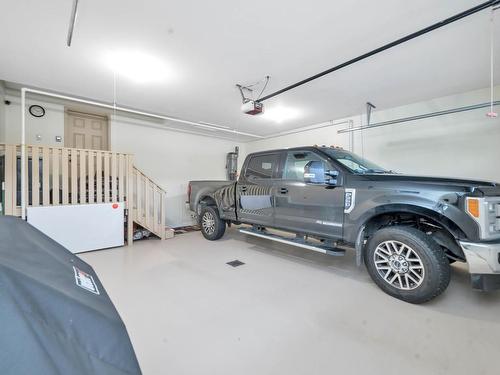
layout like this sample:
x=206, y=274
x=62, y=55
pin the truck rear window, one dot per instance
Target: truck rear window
x=261, y=166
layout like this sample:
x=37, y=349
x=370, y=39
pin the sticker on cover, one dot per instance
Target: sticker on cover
x=85, y=281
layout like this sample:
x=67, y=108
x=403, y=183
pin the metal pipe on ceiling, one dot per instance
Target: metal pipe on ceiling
x=419, y=117
x=320, y=125
x=141, y=113
x=385, y=47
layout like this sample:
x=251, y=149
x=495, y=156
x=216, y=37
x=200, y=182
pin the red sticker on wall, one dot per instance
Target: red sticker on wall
x=115, y=205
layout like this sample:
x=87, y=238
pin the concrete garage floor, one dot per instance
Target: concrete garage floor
x=287, y=311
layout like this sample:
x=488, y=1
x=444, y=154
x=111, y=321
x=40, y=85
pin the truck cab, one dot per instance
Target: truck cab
x=299, y=190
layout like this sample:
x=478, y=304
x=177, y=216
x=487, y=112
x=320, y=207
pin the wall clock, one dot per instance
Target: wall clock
x=37, y=111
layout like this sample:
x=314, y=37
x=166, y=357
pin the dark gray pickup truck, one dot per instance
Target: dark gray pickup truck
x=405, y=229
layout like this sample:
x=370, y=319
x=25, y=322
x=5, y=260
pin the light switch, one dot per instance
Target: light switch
x=38, y=137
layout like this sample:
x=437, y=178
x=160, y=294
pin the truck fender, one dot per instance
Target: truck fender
x=451, y=227
x=200, y=196
x=453, y=219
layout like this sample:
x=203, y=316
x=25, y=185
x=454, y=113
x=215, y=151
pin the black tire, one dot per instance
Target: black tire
x=212, y=226
x=418, y=278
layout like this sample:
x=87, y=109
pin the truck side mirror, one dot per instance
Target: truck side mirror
x=331, y=177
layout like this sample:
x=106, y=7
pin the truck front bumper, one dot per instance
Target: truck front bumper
x=484, y=264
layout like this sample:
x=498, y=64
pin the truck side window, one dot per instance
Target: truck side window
x=300, y=163
x=261, y=166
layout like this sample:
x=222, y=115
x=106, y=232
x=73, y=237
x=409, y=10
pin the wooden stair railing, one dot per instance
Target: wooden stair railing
x=148, y=203
x=80, y=176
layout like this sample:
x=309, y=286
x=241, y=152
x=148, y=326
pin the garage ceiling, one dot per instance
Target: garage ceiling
x=208, y=47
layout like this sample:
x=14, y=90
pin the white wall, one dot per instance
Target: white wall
x=2, y=112
x=462, y=145
x=465, y=144
x=171, y=159
x=48, y=126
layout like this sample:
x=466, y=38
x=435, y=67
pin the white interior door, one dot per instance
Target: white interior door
x=86, y=131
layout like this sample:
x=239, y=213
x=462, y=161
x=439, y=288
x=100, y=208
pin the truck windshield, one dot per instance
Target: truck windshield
x=353, y=162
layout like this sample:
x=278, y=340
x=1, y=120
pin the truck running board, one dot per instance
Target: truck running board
x=294, y=242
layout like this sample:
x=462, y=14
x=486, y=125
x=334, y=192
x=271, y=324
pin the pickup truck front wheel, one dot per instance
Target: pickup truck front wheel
x=212, y=226
x=407, y=264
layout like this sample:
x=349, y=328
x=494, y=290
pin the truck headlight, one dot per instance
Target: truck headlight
x=486, y=212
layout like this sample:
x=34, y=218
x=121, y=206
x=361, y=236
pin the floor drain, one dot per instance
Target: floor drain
x=235, y=263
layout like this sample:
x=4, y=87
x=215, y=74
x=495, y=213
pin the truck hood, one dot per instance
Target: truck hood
x=462, y=183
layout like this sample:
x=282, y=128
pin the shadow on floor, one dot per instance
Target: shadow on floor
x=459, y=288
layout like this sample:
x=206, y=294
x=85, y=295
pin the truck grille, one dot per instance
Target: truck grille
x=487, y=216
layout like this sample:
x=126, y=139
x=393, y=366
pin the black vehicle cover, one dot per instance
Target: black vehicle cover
x=55, y=316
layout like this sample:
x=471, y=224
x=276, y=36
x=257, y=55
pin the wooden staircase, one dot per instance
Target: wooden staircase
x=148, y=203
x=70, y=176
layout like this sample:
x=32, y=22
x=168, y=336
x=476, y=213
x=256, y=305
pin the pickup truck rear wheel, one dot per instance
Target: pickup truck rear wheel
x=407, y=264
x=212, y=226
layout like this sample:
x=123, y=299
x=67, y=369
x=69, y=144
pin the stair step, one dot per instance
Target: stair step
x=294, y=242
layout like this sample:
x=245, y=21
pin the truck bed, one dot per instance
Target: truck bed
x=202, y=188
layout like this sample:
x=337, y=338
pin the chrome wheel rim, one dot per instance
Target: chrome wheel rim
x=208, y=223
x=399, y=265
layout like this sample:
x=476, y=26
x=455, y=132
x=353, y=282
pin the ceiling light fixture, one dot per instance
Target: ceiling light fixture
x=137, y=66
x=280, y=114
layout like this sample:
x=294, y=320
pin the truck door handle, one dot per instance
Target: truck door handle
x=283, y=190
